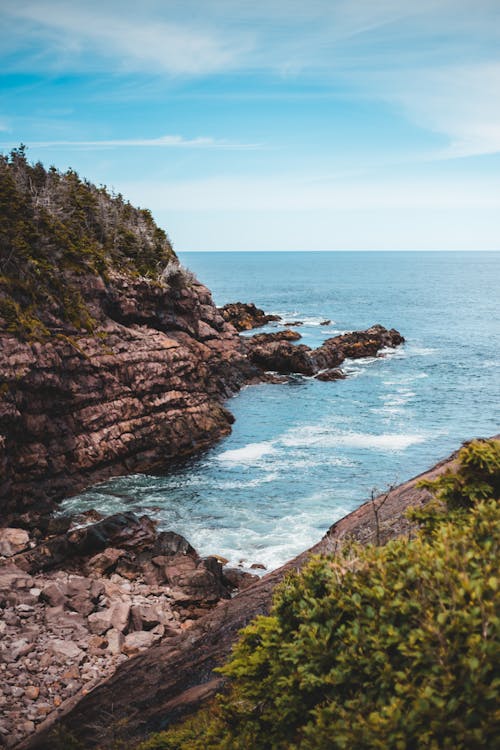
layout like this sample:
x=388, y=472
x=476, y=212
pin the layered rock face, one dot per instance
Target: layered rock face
x=113, y=358
x=145, y=387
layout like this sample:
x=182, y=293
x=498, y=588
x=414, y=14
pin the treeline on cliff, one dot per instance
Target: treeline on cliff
x=55, y=228
x=390, y=647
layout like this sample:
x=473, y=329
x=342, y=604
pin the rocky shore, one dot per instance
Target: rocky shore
x=78, y=603
x=174, y=676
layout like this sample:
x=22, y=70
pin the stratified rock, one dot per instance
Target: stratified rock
x=355, y=345
x=245, y=316
x=268, y=338
x=239, y=579
x=283, y=357
x=147, y=387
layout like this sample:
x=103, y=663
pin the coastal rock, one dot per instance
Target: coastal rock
x=245, y=316
x=283, y=357
x=146, y=387
x=175, y=677
x=13, y=541
x=268, y=338
x=332, y=374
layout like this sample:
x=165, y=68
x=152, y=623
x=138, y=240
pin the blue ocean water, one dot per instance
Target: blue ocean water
x=303, y=454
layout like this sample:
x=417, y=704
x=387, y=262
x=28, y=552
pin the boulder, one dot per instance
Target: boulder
x=245, y=316
x=332, y=374
x=65, y=650
x=139, y=641
x=13, y=541
x=268, y=338
x=146, y=616
x=283, y=357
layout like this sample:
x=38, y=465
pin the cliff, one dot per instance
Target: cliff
x=112, y=357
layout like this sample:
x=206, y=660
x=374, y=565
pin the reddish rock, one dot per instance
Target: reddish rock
x=13, y=541
x=245, y=316
x=329, y=375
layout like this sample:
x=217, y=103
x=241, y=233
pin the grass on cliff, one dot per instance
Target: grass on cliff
x=54, y=229
x=391, y=647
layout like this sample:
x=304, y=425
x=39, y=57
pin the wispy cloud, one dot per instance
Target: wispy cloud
x=164, y=141
x=295, y=193
x=81, y=35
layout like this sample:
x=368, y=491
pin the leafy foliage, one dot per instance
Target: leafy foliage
x=391, y=647
x=55, y=228
x=476, y=478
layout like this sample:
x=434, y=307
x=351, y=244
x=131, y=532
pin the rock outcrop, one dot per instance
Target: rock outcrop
x=145, y=387
x=275, y=352
x=172, y=679
x=245, y=315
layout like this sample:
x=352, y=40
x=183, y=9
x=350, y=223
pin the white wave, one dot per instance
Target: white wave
x=421, y=351
x=406, y=379
x=251, y=483
x=316, y=436
x=249, y=454
x=400, y=398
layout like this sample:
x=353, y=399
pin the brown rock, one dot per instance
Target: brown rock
x=329, y=375
x=105, y=562
x=146, y=616
x=32, y=692
x=244, y=316
x=53, y=595
x=115, y=639
x=65, y=650
x=13, y=541
x=135, y=642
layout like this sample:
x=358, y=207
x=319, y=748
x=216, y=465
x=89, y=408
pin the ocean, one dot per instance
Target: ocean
x=306, y=453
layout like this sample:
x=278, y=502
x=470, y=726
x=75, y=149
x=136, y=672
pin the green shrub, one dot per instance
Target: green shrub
x=393, y=647
x=476, y=478
x=56, y=227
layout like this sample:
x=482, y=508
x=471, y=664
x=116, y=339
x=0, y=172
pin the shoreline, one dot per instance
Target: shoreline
x=157, y=678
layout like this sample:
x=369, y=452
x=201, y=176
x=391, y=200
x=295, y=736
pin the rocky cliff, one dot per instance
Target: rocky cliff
x=112, y=358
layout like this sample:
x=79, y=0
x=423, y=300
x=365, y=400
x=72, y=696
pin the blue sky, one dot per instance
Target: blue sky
x=340, y=124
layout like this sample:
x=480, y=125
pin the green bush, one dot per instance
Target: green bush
x=393, y=647
x=56, y=227
x=477, y=476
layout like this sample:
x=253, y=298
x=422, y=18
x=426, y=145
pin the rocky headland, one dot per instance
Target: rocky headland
x=113, y=359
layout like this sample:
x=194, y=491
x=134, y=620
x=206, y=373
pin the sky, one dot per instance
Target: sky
x=269, y=125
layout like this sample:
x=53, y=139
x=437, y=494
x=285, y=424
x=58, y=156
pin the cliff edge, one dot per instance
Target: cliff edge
x=113, y=358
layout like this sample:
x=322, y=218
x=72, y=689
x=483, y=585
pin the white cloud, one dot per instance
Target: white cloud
x=291, y=193
x=460, y=102
x=73, y=34
x=164, y=141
